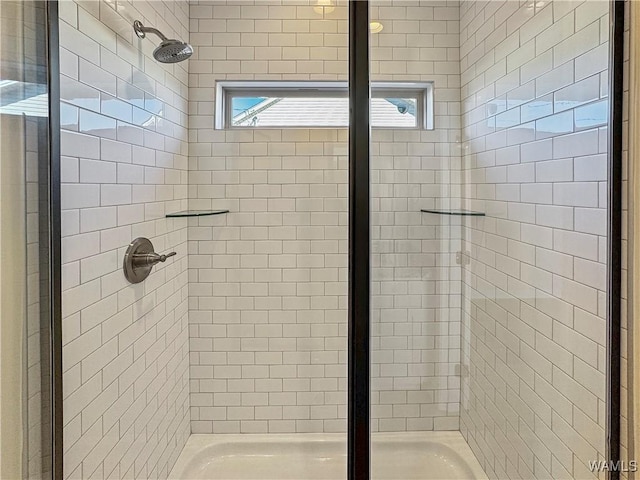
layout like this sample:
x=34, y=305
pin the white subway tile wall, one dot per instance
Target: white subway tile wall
x=534, y=115
x=124, y=165
x=268, y=281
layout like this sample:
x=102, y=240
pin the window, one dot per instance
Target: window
x=256, y=104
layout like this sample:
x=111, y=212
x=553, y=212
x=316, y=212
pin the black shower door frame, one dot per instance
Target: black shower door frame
x=358, y=421
x=358, y=441
x=55, y=241
x=614, y=233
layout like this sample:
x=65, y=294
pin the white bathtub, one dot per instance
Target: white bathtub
x=398, y=456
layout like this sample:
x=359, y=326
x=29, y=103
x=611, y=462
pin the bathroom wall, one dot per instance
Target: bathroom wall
x=534, y=109
x=268, y=281
x=124, y=165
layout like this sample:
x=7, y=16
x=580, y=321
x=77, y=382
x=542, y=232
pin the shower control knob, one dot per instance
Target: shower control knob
x=149, y=259
x=140, y=259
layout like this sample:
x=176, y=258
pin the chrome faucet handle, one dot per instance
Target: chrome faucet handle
x=164, y=257
x=149, y=259
x=140, y=259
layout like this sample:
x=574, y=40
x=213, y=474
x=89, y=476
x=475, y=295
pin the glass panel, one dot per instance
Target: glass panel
x=268, y=290
x=25, y=410
x=489, y=238
x=415, y=288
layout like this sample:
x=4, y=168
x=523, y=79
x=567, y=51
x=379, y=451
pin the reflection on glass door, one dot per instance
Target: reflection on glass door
x=25, y=317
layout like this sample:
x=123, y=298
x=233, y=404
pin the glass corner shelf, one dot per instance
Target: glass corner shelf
x=195, y=213
x=462, y=213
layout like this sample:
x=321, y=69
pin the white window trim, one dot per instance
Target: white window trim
x=225, y=89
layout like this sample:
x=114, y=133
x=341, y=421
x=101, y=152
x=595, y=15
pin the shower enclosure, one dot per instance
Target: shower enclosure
x=396, y=228
x=30, y=348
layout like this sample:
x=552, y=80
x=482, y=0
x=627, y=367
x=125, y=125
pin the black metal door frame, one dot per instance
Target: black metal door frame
x=614, y=232
x=359, y=243
x=55, y=239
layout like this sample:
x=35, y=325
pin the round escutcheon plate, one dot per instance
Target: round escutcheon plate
x=137, y=274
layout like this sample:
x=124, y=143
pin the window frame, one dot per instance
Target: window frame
x=227, y=89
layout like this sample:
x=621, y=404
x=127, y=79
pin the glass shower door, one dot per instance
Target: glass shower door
x=489, y=239
x=535, y=160
x=26, y=276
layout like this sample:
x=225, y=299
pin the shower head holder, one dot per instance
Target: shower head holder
x=141, y=31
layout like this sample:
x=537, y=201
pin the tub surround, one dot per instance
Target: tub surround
x=535, y=84
x=268, y=282
x=124, y=165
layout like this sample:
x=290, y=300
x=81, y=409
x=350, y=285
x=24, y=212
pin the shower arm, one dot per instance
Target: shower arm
x=141, y=31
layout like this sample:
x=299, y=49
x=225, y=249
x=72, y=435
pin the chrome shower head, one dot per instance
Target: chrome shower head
x=172, y=51
x=169, y=50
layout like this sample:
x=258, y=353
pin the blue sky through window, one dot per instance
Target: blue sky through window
x=241, y=104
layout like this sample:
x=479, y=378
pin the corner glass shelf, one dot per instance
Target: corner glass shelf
x=462, y=213
x=195, y=213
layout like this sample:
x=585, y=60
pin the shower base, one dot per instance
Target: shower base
x=316, y=456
